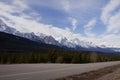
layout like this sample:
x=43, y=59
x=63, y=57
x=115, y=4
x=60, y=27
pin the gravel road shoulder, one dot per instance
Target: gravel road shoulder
x=107, y=73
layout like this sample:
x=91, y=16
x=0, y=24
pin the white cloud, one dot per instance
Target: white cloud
x=89, y=26
x=28, y=22
x=20, y=4
x=67, y=29
x=110, y=40
x=14, y=8
x=14, y=16
x=23, y=22
x=66, y=5
x=114, y=24
x=111, y=16
x=73, y=22
x=107, y=10
x=71, y=7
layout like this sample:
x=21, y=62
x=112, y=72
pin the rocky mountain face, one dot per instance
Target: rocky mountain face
x=48, y=39
x=41, y=38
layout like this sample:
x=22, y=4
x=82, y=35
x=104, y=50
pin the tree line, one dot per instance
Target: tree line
x=57, y=56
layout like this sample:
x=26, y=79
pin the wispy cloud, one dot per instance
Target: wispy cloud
x=114, y=24
x=20, y=15
x=111, y=16
x=89, y=26
x=108, y=9
x=66, y=5
x=73, y=23
x=15, y=16
x=28, y=23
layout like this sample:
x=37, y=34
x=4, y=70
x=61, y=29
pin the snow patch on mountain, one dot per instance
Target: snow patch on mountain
x=54, y=39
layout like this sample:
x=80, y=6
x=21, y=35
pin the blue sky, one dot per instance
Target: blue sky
x=58, y=16
x=91, y=20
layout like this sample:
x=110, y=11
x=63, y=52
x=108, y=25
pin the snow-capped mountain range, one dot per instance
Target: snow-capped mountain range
x=48, y=39
x=41, y=38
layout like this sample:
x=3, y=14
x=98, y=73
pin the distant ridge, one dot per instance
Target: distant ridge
x=12, y=43
x=74, y=44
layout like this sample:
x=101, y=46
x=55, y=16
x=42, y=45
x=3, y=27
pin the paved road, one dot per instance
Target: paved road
x=46, y=71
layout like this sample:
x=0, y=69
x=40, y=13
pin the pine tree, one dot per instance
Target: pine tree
x=59, y=59
x=93, y=57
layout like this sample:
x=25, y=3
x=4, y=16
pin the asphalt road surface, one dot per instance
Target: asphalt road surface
x=47, y=71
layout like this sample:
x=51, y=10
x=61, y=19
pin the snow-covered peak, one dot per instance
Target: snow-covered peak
x=5, y=28
x=59, y=40
x=2, y=25
x=102, y=46
x=48, y=39
x=82, y=43
x=41, y=35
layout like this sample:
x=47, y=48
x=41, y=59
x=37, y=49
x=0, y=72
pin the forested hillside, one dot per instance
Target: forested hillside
x=14, y=49
x=57, y=56
x=12, y=43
